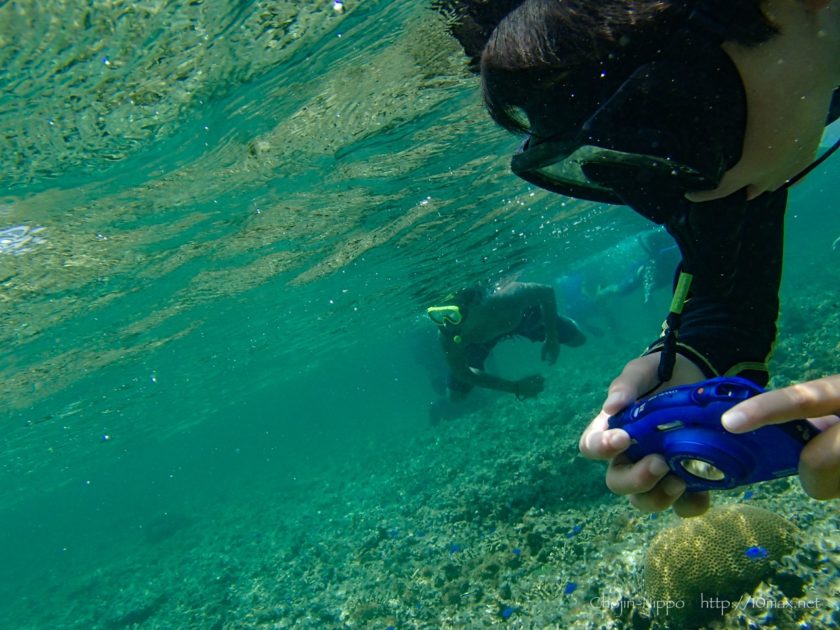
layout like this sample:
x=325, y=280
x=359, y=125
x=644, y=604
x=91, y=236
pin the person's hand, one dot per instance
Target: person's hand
x=530, y=386
x=550, y=350
x=646, y=481
x=819, y=463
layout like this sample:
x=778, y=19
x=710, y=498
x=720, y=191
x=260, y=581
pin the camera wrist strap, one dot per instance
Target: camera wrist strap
x=668, y=356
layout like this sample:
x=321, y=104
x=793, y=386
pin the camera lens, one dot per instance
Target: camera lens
x=703, y=469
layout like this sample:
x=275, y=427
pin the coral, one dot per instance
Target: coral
x=714, y=558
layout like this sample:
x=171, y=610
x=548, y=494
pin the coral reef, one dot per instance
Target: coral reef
x=489, y=520
x=715, y=557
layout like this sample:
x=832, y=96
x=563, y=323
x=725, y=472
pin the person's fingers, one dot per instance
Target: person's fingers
x=805, y=400
x=824, y=422
x=627, y=477
x=651, y=489
x=671, y=493
x=661, y=496
x=819, y=465
x=692, y=504
x=637, y=377
x=600, y=442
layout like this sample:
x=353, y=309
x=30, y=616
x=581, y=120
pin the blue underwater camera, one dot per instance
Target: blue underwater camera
x=683, y=424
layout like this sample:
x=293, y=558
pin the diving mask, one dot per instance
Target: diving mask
x=442, y=315
x=676, y=123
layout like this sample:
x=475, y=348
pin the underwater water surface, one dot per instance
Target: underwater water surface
x=220, y=225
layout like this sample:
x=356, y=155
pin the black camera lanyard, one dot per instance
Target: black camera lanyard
x=668, y=356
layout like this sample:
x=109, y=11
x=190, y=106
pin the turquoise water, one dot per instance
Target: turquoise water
x=220, y=224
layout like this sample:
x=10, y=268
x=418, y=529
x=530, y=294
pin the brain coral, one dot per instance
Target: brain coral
x=723, y=554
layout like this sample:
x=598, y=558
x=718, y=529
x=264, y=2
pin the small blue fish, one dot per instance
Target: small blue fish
x=517, y=551
x=756, y=553
x=507, y=612
x=574, y=531
x=455, y=548
x=748, y=495
x=571, y=587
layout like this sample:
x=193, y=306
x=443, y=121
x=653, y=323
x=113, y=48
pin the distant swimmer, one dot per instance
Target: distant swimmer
x=474, y=320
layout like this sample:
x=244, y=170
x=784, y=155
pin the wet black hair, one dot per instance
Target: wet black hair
x=466, y=298
x=555, y=59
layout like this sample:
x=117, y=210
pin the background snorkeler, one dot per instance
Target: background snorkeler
x=472, y=322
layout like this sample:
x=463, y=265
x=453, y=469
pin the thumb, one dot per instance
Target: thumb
x=639, y=376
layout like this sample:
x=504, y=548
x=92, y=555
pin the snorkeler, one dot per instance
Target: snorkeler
x=647, y=265
x=473, y=321
x=699, y=115
x=653, y=270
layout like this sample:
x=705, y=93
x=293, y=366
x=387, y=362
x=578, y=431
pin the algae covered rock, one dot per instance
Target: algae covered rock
x=701, y=568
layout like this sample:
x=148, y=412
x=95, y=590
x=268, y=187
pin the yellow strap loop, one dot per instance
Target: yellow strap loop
x=681, y=292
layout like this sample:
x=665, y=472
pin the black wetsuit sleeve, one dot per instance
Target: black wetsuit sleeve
x=733, y=250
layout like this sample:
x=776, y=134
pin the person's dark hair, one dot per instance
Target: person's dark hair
x=468, y=297
x=472, y=21
x=556, y=59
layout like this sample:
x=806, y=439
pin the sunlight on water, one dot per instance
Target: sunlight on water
x=286, y=180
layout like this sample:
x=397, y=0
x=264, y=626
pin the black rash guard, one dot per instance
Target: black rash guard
x=733, y=250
